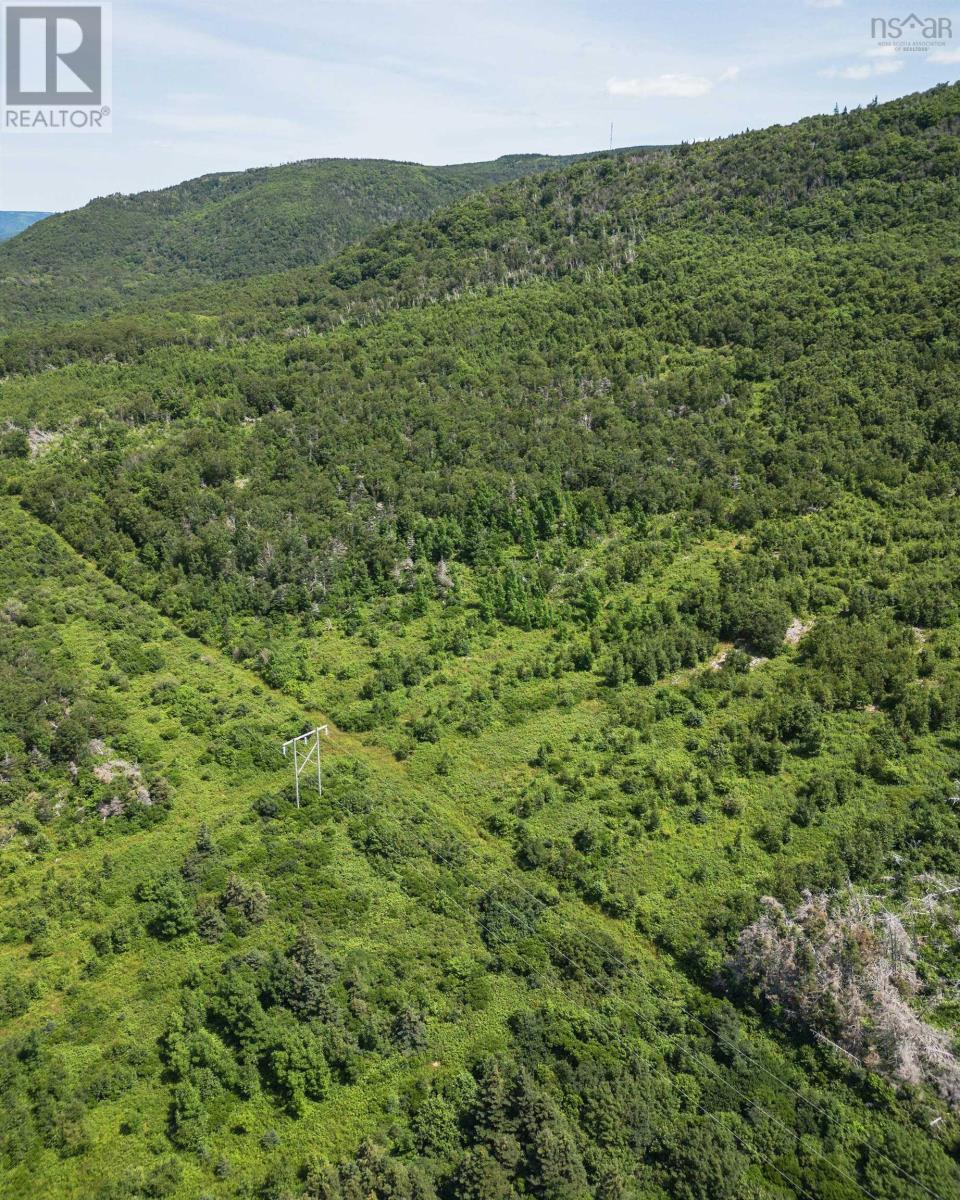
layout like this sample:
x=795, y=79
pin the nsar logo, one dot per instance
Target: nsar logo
x=892, y=29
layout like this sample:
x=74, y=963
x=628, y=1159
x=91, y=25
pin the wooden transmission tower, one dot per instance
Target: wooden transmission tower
x=306, y=747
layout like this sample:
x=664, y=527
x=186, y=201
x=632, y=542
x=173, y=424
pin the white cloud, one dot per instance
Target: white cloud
x=824, y=3
x=945, y=56
x=661, y=85
x=687, y=87
x=864, y=70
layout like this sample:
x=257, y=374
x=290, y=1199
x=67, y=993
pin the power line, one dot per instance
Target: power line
x=730, y=1045
x=436, y=854
x=311, y=743
x=719, y=1037
x=683, y=1049
x=754, y=1150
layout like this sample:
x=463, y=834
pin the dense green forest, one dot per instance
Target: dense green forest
x=119, y=250
x=609, y=518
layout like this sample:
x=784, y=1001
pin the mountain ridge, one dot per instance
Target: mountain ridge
x=14, y=221
x=224, y=225
x=785, y=181
x=609, y=519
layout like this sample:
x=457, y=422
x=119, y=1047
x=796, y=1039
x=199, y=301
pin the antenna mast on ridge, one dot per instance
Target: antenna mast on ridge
x=309, y=742
x=611, y=135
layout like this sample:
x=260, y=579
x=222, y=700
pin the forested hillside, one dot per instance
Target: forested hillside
x=609, y=518
x=118, y=250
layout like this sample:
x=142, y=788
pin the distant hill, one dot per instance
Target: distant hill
x=607, y=519
x=119, y=249
x=12, y=223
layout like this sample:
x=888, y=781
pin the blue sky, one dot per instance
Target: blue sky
x=215, y=85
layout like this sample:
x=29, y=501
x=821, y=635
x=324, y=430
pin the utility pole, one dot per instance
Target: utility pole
x=305, y=748
x=611, y=135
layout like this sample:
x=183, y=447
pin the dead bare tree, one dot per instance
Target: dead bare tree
x=845, y=968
